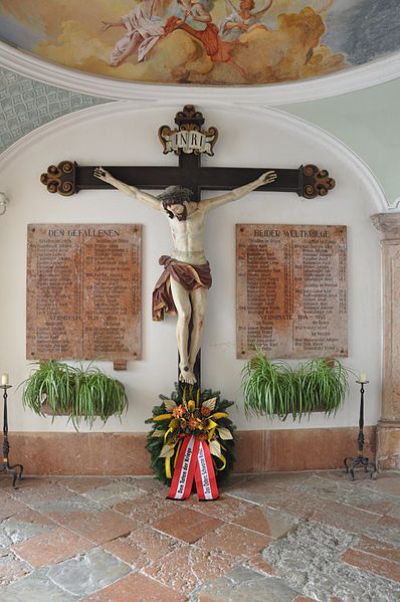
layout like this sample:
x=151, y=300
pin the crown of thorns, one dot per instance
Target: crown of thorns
x=175, y=194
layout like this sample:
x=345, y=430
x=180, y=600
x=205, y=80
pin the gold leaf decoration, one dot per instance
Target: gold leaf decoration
x=219, y=415
x=158, y=433
x=167, y=451
x=215, y=448
x=169, y=404
x=210, y=403
x=162, y=417
x=225, y=433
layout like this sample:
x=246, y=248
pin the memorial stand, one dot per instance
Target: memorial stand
x=16, y=469
x=360, y=459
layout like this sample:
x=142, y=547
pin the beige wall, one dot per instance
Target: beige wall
x=122, y=134
x=368, y=122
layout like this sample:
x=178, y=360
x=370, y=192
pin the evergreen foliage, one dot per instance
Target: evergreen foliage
x=155, y=443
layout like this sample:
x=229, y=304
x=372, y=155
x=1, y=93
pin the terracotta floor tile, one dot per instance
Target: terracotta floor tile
x=257, y=562
x=388, y=483
x=150, y=485
x=83, y=484
x=10, y=506
x=394, y=511
x=234, y=540
x=373, y=564
x=31, y=487
x=142, y=546
x=344, y=517
x=226, y=508
x=378, y=548
x=44, y=495
x=389, y=521
x=24, y=525
x=135, y=588
x=147, y=509
x=98, y=527
x=184, y=569
x=31, y=483
x=27, y=515
x=11, y=569
x=187, y=524
x=268, y=521
x=51, y=547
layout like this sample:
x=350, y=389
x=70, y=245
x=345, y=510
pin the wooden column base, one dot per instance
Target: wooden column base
x=388, y=445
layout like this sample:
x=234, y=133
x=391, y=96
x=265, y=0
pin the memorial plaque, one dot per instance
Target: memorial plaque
x=84, y=291
x=291, y=290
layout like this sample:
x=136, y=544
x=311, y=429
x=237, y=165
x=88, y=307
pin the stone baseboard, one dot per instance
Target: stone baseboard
x=388, y=445
x=61, y=453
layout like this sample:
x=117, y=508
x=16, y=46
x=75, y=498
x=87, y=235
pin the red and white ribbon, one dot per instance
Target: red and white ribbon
x=206, y=483
x=194, y=461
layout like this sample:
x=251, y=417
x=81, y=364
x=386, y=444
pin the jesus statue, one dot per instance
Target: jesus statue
x=183, y=287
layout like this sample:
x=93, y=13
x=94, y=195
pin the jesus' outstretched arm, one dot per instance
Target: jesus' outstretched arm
x=148, y=199
x=238, y=193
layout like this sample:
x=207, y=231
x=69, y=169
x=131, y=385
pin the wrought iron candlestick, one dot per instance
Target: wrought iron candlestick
x=16, y=469
x=360, y=460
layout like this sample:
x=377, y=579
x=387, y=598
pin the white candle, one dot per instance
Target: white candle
x=362, y=377
x=4, y=379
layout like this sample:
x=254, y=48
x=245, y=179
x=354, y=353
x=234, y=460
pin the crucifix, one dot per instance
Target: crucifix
x=183, y=286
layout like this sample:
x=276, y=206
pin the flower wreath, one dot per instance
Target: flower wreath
x=189, y=411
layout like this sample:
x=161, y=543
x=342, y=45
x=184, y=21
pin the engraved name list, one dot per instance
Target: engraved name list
x=84, y=291
x=291, y=290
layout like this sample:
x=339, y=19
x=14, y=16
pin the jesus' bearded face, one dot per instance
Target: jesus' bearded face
x=176, y=202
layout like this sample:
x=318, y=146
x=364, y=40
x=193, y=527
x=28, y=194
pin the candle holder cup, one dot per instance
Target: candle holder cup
x=351, y=463
x=15, y=470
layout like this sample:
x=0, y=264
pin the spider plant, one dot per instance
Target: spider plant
x=58, y=388
x=275, y=389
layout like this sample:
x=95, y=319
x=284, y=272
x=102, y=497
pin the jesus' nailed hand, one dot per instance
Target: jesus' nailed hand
x=183, y=287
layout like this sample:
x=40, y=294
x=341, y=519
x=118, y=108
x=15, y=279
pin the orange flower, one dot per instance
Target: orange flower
x=205, y=411
x=193, y=423
x=178, y=412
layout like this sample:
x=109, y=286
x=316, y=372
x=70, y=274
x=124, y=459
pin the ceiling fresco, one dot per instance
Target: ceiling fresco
x=221, y=42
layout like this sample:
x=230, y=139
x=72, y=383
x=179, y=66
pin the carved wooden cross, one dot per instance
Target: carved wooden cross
x=188, y=141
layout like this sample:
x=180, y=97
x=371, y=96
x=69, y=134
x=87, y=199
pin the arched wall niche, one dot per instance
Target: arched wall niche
x=122, y=134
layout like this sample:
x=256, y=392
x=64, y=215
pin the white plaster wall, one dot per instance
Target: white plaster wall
x=123, y=134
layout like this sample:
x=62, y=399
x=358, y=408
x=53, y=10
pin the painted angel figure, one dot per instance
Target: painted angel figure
x=242, y=19
x=182, y=288
x=143, y=27
x=195, y=18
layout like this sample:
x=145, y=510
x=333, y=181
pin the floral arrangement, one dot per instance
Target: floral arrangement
x=188, y=413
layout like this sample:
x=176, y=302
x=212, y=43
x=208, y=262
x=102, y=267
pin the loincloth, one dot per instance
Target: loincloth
x=188, y=275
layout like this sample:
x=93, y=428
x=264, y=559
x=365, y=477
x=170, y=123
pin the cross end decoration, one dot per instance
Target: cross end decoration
x=317, y=182
x=61, y=178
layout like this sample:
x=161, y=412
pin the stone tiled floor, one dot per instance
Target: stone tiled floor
x=274, y=537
